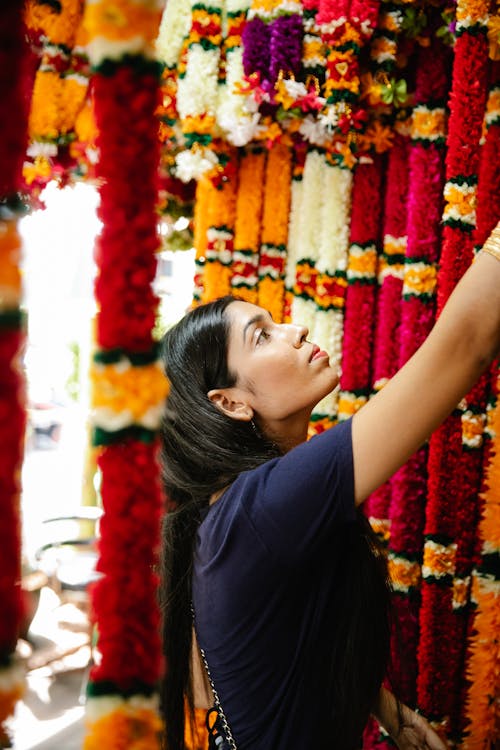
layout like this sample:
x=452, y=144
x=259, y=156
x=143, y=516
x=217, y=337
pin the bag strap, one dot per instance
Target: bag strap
x=220, y=711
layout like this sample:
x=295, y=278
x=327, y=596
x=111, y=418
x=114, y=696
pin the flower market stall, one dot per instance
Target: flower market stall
x=337, y=163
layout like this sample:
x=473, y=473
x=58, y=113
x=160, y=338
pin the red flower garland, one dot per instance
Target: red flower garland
x=409, y=485
x=454, y=474
x=355, y=382
x=124, y=599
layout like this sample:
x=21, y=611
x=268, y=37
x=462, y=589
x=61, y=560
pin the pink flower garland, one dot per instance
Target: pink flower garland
x=454, y=474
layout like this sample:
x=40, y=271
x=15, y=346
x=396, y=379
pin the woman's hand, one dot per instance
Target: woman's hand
x=409, y=730
x=416, y=733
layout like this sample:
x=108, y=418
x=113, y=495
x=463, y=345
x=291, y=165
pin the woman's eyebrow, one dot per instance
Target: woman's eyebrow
x=259, y=318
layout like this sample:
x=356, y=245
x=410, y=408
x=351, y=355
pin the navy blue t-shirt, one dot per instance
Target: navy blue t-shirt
x=265, y=571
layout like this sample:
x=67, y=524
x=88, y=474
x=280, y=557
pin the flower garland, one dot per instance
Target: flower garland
x=204, y=190
x=235, y=120
x=454, y=473
x=355, y=381
x=13, y=116
x=275, y=213
x=331, y=282
x=483, y=660
x=345, y=27
x=59, y=92
x=221, y=216
x=294, y=225
x=198, y=90
x=122, y=703
x=390, y=281
x=247, y=228
x=306, y=227
x=409, y=485
x=484, y=657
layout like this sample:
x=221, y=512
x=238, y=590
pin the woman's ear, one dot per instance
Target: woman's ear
x=230, y=402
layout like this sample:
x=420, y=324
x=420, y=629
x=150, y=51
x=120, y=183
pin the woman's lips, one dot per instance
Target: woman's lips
x=317, y=353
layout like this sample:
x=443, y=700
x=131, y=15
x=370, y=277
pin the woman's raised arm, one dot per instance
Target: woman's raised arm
x=463, y=342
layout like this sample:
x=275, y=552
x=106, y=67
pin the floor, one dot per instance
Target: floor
x=51, y=715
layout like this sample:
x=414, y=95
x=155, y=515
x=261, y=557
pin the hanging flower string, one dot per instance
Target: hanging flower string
x=453, y=472
x=355, y=381
x=128, y=388
x=390, y=280
x=247, y=230
x=483, y=658
x=14, y=85
x=221, y=216
x=409, y=485
x=331, y=281
x=483, y=663
x=59, y=92
x=274, y=236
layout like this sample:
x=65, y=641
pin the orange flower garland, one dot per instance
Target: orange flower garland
x=221, y=216
x=271, y=292
x=247, y=228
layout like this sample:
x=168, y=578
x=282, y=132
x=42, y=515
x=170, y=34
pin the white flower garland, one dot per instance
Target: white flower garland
x=174, y=28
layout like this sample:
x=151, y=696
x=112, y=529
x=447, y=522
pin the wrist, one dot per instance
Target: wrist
x=492, y=244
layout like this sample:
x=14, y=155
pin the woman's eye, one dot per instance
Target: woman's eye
x=263, y=335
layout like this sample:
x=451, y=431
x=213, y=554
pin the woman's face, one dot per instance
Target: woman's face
x=280, y=374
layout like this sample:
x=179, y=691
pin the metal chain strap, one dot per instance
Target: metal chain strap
x=227, y=730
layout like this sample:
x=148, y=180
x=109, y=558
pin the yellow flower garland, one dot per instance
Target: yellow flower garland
x=123, y=394
x=247, y=228
x=271, y=292
x=60, y=28
x=127, y=728
x=219, y=249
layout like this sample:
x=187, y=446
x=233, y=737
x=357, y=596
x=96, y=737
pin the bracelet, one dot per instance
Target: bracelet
x=492, y=244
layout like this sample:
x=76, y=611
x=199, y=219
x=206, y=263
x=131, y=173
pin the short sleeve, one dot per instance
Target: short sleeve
x=297, y=501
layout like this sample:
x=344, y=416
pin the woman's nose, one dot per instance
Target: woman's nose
x=300, y=335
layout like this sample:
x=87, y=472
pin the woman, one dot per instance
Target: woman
x=276, y=603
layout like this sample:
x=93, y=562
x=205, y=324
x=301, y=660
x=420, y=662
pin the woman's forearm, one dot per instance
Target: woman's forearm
x=465, y=339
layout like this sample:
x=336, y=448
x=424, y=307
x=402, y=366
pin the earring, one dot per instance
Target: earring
x=254, y=428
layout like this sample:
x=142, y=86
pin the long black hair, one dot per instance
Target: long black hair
x=203, y=452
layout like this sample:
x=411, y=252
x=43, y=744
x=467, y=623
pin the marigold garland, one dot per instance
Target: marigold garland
x=453, y=471
x=221, y=216
x=14, y=80
x=247, y=229
x=59, y=95
x=274, y=237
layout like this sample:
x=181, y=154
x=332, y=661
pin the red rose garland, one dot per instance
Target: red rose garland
x=453, y=473
x=13, y=119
